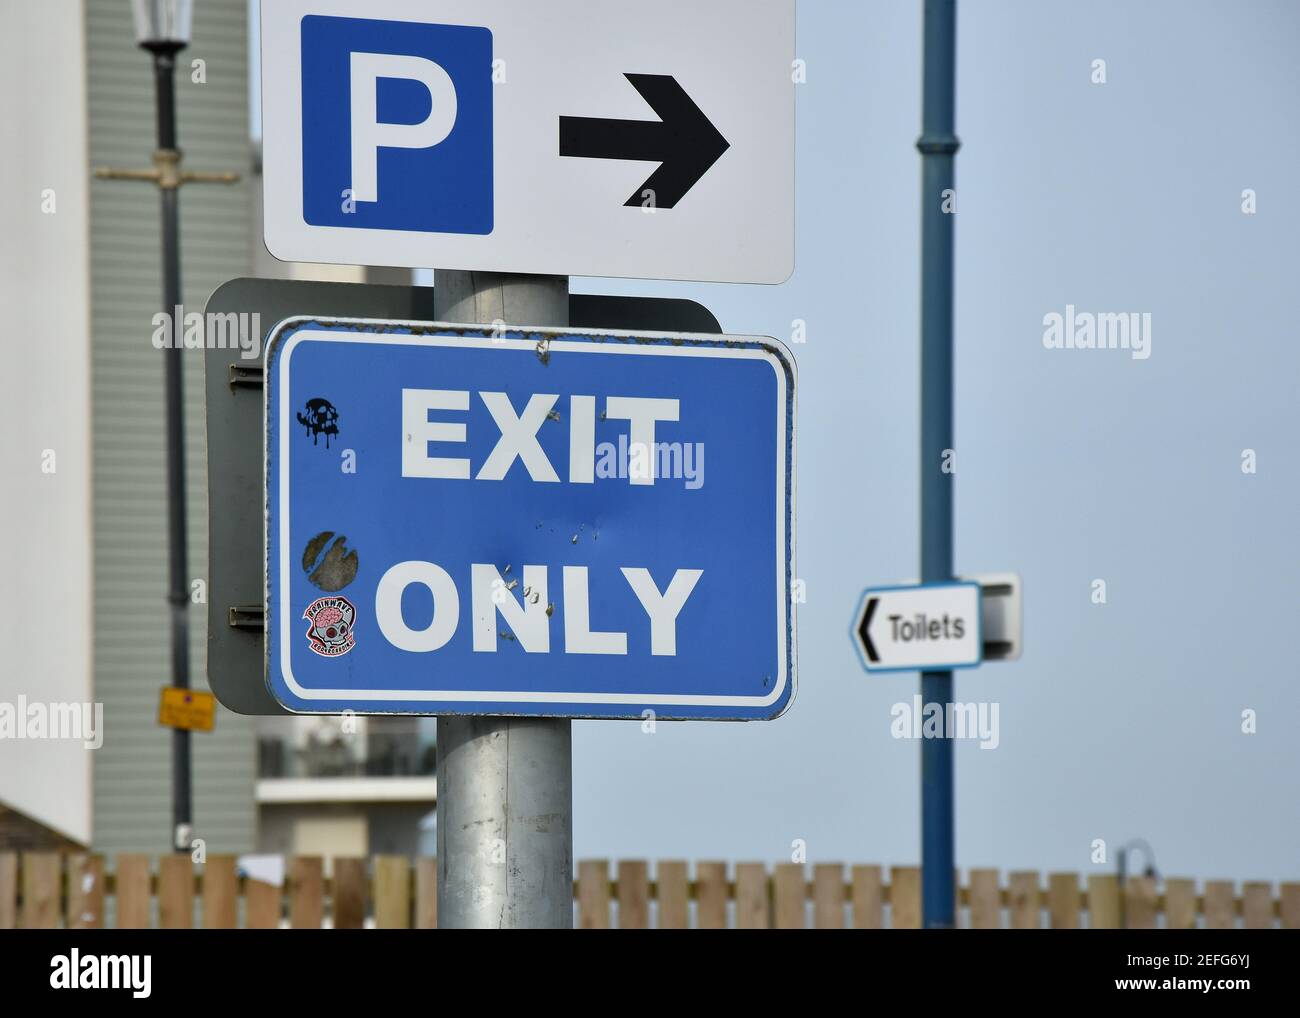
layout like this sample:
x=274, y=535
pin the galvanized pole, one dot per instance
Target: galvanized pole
x=505, y=786
x=164, y=61
x=938, y=145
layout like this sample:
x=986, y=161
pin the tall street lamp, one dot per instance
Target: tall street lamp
x=163, y=28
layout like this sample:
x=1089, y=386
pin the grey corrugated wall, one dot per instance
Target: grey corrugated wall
x=132, y=771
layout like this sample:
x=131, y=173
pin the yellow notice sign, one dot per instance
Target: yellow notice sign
x=187, y=708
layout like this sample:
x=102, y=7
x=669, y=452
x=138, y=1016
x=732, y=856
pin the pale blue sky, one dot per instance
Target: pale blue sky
x=1120, y=720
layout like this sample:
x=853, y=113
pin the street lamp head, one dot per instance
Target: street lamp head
x=162, y=25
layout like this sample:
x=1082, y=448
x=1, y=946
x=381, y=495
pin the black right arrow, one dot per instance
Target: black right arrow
x=864, y=631
x=683, y=140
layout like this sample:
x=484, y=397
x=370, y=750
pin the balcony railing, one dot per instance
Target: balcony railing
x=380, y=756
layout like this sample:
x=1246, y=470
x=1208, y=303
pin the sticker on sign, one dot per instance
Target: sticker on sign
x=565, y=137
x=467, y=523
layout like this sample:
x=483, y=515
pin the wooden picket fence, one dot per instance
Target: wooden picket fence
x=47, y=890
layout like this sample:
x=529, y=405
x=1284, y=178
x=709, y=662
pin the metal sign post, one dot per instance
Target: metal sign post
x=938, y=146
x=505, y=785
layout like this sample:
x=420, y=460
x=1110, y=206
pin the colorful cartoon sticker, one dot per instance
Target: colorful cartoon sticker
x=330, y=620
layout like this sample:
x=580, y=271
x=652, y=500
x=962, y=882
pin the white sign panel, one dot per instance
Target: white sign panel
x=927, y=626
x=566, y=137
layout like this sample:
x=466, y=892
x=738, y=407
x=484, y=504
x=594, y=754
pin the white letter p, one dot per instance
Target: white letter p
x=369, y=135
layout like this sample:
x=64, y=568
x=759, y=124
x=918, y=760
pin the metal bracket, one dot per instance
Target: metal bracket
x=251, y=616
x=167, y=172
x=1002, y=615
x=247, y=376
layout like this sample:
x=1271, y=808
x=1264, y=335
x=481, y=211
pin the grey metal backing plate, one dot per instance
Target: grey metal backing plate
x=236, y=537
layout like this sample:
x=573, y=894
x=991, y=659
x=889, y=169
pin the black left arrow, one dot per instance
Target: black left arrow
x=864, y=631
x=683, y=140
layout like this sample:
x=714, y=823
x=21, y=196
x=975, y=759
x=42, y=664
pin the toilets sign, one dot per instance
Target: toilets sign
x=920, y=626
x=554, y=522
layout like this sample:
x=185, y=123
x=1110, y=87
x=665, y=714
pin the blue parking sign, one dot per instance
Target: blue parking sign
x=396, y=125
x=550, y=523
x=553, y=137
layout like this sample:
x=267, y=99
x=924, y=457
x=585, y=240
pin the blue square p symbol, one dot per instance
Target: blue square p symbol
x=396, y=125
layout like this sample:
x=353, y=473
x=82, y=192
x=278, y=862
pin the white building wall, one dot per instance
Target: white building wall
x=45, y=425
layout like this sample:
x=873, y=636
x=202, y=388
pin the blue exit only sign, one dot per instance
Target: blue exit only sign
x=554, y=523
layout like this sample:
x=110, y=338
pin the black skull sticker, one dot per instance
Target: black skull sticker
x=319, y=419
